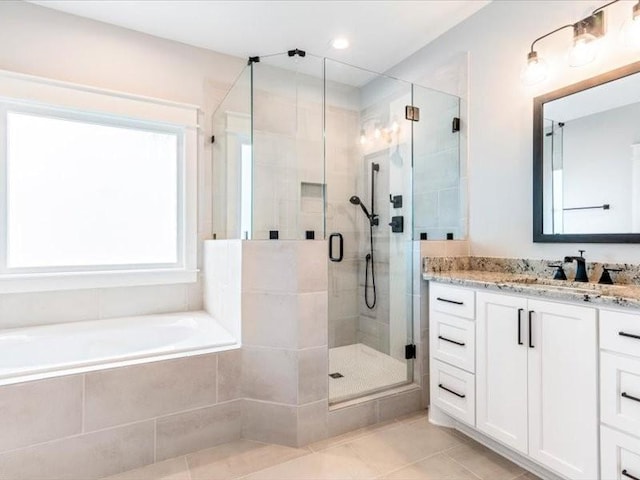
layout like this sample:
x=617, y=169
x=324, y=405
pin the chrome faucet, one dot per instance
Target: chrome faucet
x=581, y=269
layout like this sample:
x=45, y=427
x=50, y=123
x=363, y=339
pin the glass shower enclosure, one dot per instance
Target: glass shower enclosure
x=309, y=148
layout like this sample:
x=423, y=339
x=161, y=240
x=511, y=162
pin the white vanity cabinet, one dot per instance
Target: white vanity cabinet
x=535, y=376
x=452, y=345
x=620, y=395
x=501, y=406
x=536, y=380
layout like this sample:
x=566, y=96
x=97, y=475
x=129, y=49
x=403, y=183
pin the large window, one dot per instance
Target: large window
x=87, y=196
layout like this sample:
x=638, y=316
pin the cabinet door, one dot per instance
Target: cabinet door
x=501, y=368
x=563, y=394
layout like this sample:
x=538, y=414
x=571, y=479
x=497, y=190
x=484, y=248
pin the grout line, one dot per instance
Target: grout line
x=217, y=382
x=186, y=464
x=77, y=435
x=84, y=397
x=409, y=464
x=120, y=425
x=461, y=465
x=518, y=475
x=363, y=433
x=155, y=440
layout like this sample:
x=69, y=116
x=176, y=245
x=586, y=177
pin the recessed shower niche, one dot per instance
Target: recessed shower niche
x=311, y=148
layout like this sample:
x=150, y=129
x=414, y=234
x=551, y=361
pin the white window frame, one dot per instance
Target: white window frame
x=33, y=95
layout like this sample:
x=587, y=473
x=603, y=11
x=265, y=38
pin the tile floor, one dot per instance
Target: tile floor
x=364, y=369
x=403, y=449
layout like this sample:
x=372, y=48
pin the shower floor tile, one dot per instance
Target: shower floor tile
x=363, y=369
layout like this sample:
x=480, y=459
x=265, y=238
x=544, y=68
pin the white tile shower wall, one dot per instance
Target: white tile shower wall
x=105, y=422
x=285, y=352
x=110, y=57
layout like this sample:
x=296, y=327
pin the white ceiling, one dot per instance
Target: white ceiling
x=381, y=33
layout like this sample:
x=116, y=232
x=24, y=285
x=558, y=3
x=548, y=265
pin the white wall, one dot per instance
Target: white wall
x=497, y=112
x=597, y=166
x=40, y=41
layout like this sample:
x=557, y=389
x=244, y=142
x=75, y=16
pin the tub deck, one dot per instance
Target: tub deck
x=48, y=351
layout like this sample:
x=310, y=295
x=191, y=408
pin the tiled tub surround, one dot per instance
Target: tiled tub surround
x=535, y=278
x=104, y=422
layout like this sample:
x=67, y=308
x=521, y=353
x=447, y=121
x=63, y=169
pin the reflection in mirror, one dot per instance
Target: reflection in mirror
x=591, y=160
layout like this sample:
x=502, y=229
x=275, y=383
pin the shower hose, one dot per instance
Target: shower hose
x=369, y=259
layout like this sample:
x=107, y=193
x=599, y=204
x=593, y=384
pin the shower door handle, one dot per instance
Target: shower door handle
x=340, y=244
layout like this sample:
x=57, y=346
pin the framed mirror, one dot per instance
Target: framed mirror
x=586, y=161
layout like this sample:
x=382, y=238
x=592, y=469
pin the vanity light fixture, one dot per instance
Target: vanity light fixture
x=535, y=70
x=584, y=48
x=585, y=39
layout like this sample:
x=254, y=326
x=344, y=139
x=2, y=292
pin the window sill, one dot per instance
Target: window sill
x=46, y=282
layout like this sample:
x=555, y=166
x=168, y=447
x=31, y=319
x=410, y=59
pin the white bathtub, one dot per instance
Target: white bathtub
x=47, y=351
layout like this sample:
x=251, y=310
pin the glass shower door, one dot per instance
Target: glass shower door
x=368, y=161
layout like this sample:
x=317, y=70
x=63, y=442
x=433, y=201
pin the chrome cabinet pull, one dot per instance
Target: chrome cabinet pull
x=450, y=341
x=451, y=391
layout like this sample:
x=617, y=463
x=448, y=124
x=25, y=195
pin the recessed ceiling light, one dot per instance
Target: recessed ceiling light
x=340, y=43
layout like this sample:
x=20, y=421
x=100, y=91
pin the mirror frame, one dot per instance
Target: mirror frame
x=538, y=180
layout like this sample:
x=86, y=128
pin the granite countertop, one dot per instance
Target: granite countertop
x=529, y=283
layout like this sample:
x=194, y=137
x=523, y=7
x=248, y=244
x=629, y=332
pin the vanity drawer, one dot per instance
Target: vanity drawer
x=453, y=390
x=452, y=300
x=620, y=332
x=620, y=392
x=453, y=340
x=619, y=453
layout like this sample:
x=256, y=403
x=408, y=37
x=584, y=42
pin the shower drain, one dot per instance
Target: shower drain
x=336, y=375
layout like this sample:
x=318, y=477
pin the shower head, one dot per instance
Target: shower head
x=355, y=200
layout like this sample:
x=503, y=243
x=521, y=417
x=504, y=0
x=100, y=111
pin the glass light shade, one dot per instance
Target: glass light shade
x=584, y=50
x=535, y=71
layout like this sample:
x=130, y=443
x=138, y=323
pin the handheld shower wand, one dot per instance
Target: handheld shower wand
x=355, y=200
x=373, y=219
